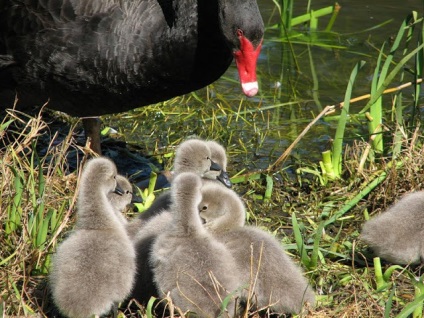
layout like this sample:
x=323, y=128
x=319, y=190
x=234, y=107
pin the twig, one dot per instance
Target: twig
x=296, y=141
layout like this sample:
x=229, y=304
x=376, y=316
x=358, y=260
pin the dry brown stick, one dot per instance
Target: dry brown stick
x=327, y=110
x=303, y=133
x=386, y=91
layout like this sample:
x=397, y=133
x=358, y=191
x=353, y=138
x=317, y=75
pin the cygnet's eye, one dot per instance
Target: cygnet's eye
x=204, y=208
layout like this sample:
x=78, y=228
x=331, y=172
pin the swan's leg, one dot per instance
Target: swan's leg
x=92, y=130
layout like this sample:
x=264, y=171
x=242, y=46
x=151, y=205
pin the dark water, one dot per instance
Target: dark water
x=359, y=31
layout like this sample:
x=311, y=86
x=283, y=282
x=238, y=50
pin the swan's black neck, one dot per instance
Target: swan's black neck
x=168, y=11
x=213, y=55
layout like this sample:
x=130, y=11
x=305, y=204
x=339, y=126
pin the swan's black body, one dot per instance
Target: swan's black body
x=93, y=57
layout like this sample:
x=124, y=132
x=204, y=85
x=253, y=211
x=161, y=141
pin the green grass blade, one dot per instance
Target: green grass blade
x=388, y=272
x=394, y=48
x=419, y=64
x=269, y=187
x=352, y=202
x=299, y=242
x=15, y=211
x=410, y=307
x=399, y=105
x=315, y=250
x=239, y=178
x=312, y=15
x=149, y=307
x=389, y=303
x=4, y=126
x=376, y=109
x=327, y=165
x=57, y=216
x=337, y=150
x=152, y=182
x=419, y=290
x=43, y=230
x=390, y=77
x=333, y=17
x=315, y=88
x=374, y=125
x=378, y=274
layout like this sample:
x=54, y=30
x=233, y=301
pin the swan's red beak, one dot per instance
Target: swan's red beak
x=246, y=59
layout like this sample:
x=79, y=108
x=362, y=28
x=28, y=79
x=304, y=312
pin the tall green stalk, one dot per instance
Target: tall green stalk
x=419, y=65
x=341, y=126
x=376, y=109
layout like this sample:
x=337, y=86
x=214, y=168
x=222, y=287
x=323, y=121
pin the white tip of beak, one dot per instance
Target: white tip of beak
x=250, y=89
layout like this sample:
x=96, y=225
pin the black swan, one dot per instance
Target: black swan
x=91, y=57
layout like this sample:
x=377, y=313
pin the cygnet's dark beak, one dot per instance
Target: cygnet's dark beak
x=136, y=199
x=214, y=166
x=118, y=190
x=225, y=179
